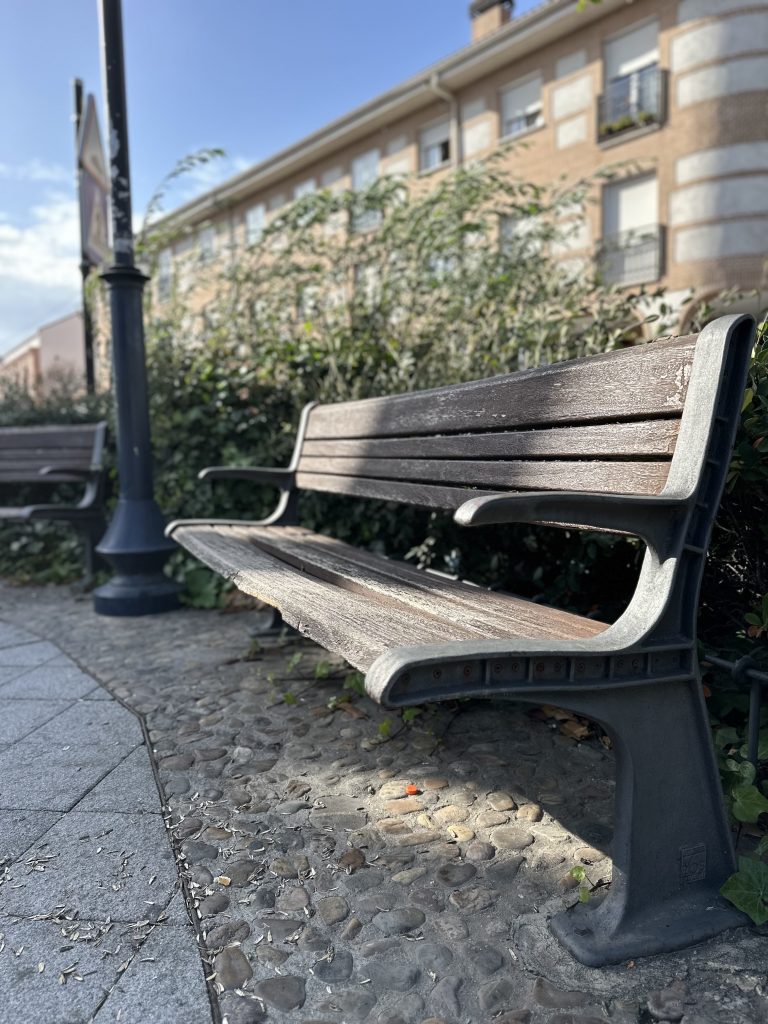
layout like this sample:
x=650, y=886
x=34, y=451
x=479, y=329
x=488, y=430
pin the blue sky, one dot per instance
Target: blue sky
x=249, y=76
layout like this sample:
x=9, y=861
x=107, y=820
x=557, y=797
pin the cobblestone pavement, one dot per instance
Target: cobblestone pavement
x=89, y=893
x=325, y=892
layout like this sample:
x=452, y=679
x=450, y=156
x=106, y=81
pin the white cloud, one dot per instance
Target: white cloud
x=37, y=170
x=39, y=267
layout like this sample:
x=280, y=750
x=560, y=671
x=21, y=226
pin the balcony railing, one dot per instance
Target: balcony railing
x=633, y=101
x=633, y=257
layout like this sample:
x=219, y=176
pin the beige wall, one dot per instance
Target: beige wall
x=55, y=351
x=710, y=153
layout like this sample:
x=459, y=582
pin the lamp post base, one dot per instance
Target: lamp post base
x=137, y=595
x=137, y=549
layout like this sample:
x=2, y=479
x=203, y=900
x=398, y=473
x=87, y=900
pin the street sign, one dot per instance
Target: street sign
x=94, y=189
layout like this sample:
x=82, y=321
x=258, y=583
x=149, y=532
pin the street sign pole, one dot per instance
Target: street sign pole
x=85, y=263
x=135, y=543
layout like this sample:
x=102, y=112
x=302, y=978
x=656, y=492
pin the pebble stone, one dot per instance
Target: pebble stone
x=392, y=976
x=332, y=909
x=501, y=801
x=284, y=993
x=338, y=968
x=480, y=851
x=511, y=838
x=400, y=921
x=445, y=997
x=454, y=875
x=232, y=968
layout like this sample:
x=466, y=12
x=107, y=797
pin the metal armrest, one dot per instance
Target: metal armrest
x=78, y=471
x=269, y=475
x=640, y=514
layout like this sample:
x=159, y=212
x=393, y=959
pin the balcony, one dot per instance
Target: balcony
x=633, y=257
x=637, y=100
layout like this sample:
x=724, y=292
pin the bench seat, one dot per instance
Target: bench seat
x=360, y=605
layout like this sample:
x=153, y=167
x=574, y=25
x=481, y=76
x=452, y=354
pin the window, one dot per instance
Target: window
x=304, y=188
x=521, y=107
x=435, y=146
x=164, y=274
x=521, y=235
x=206, y=242
x=633, y=93
x=631, y=247
x=365, y=173
x=255, y=219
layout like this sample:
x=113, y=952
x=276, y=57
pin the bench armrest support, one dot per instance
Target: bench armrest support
x=78, y=471
x=639, y=514
x=274, y=476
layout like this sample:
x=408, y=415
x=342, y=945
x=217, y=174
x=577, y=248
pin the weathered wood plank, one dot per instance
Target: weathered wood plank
x=636, y=383
x=646, y=439
x=39, y=453
x=357, y=625
x=485, y=612
x=32, y=476
x=616, y=477
x=81, y=436
x=389, y=490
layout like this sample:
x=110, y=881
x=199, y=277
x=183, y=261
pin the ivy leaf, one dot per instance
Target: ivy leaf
x=748, y=889
x=748, y=803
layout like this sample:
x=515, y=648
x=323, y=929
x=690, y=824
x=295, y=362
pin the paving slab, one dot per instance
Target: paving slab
x=90, y=731
x=44, y=783
x=130, y=786
x=28, y=654
x=12, y=636
x=9, y=672
x=20, y=717
x=102, y=865
x=164, y=983
x=32, y=961
x=21, y=829
x=50, y=681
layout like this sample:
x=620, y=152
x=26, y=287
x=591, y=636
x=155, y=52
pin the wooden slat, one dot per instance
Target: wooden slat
x=483, y=611
x=358, y=626
x=631, y=384
x=615, y=477
x=81, y=436
x=389, y=490
x=42, y=454
x=647, y=439
x=32, y=476
x=35, y=465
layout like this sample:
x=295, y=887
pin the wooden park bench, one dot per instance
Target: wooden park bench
x=636, y=441
x=40, y=460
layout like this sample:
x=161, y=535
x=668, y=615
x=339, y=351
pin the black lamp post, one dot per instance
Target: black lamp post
x=135, y=544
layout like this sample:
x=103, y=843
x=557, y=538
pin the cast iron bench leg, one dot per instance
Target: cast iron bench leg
x=92, y=533
x=672, y=847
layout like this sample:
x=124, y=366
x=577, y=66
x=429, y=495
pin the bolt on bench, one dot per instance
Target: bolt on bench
x=46, y=457
x=636, y=441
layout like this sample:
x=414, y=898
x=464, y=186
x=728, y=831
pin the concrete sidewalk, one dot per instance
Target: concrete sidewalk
x=93, y=922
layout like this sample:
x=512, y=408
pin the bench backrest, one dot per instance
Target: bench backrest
x=604, y=423
x=656, y=419
x=24, y=451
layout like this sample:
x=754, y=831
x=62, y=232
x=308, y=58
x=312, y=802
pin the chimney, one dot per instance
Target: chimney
x=488, y=16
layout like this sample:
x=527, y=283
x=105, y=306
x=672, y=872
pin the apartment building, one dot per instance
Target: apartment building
x=676, y=90
x=56, y=351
